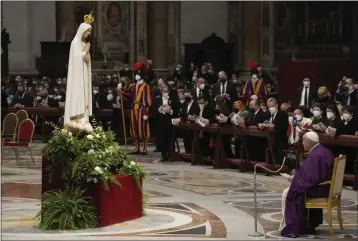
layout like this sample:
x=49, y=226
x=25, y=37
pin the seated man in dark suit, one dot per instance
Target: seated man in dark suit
x=22, y=98
x=189, y=110
x=256, y=145
x=206, y=113
x=278, y=122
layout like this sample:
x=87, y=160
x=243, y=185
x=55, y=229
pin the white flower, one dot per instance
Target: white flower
x=70, y=133
x=89, y=137
x=90, y=151
x=132, y=163
x=98, y=170
x=64, y=131
x=97, y=135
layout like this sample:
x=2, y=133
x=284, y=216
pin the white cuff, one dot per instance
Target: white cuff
x=171, y=112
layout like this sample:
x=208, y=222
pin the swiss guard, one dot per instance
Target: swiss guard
x=255, y=87
x=142, y=101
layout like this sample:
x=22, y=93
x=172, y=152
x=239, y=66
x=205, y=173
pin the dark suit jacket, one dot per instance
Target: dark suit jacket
x=194, y=110
x=173, y=102
x=102, y=101
x=350, y=129
x=25, y=100
x=255, y=120
x=208, y=113
x=230, y=90
x=281, y=126
x=343, y=97
x=312, y=95
x=204, y=92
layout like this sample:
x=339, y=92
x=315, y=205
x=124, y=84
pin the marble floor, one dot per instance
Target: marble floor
x=187, y=202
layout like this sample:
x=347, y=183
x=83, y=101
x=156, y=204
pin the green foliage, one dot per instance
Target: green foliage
x=90, y=158
x=66, y=210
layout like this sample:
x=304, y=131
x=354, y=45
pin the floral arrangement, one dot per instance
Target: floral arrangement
x=82, y=158
x=89, y=157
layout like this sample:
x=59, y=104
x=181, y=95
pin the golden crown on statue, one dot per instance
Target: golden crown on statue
x=89, y=18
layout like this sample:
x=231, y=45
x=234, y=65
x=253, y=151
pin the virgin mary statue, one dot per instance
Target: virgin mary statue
x=78, y=107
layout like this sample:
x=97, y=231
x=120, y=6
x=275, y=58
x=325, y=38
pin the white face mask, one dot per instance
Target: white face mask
x=317, y=113
x=234, y=80
x=201, y=86
x=109, y=97
x=95, y=92
x=330, y=115
x=346, y=116
x=59, y=97
x=177, y=69
x=272, y=110
x=137, y=77
x=110, y=91
x=298, y=118
x=201, y=106
x=181, y=101
x=50, y=96
x=254, y=76
x=306, y=83
x=165, y=95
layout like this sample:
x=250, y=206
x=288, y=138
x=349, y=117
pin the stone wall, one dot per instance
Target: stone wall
x=199, y=19
x=28, y=23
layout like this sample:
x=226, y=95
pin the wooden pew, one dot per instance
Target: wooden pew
x=255, y=132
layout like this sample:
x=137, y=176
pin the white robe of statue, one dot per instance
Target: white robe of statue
x=78, y=106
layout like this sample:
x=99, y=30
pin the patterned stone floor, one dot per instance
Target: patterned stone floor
x=187, y=202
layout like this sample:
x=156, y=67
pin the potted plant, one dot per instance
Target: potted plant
x=108, y=175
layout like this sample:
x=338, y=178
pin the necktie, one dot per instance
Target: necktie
x=223, y=89
x=306, y=97
x=272, y=117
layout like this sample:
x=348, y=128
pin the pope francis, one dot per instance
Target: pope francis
x=78, y=105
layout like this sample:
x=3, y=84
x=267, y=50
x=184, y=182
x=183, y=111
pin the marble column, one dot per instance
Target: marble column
x=251, y=32
x=141, y=31
x=132, y=33
x=177, y=15
x=159, y=34
x=267, y=33
x=67, y=20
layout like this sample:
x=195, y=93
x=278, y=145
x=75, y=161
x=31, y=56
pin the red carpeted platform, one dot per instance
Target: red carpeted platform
x=114, y=206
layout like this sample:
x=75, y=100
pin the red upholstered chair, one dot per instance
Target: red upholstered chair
x=24, y=139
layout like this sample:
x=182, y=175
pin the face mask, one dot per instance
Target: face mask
x=50, y=96
x=201, y=106
x=236, y=110
x=217, y=111
x=59, y=97
x=95, y=92
x=187, y=99
x=126, y=69
x=137, y=77
x=59, y=82
x=272, y=110
x=177, y=69
x=201, y=86
x=110, y=91
x=234, y=81
x=55, y=90
x=181, y=101
x=38, y=98
x=306, y=83
x=317, y=113
x=109, y=97
x=298, y=118
x=251, y=110
x=254, y=76
x=346, y=116
x=165, y=95
x=34, y=82
x=330, y=115
x=268, y=89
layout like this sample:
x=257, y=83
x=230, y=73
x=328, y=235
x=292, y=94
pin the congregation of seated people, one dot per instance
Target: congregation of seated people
x=214, y=98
